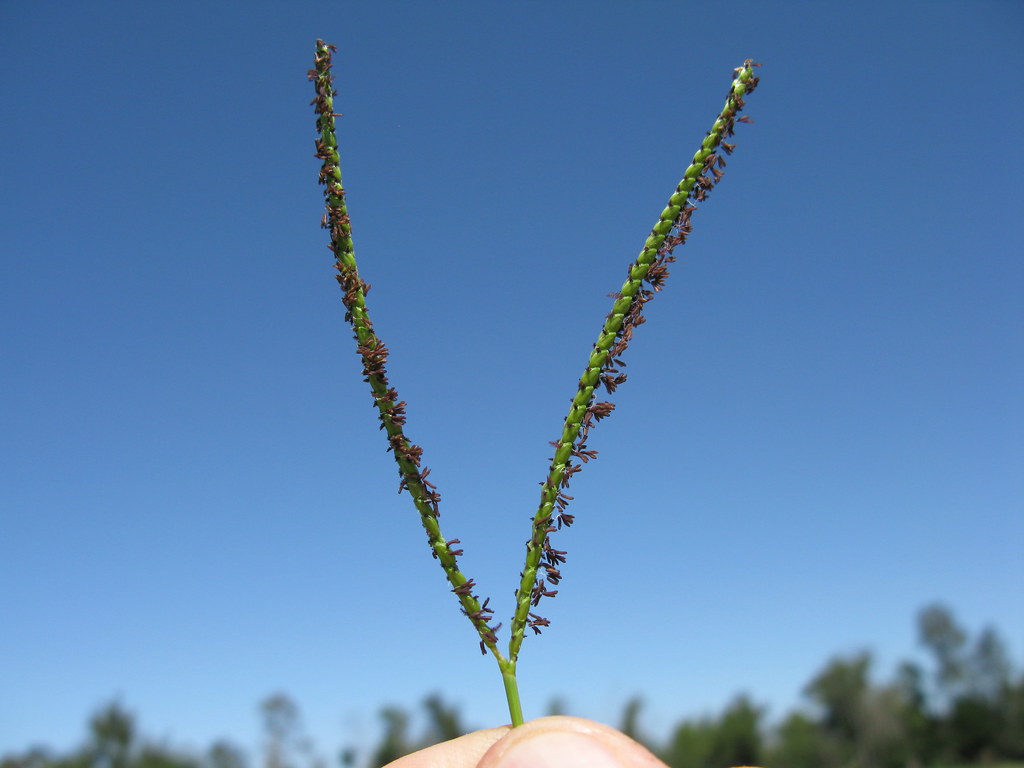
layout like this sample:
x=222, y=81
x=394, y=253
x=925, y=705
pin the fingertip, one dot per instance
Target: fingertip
x=567, y=742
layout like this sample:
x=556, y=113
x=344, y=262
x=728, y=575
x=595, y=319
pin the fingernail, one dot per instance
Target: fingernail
x=558, y=750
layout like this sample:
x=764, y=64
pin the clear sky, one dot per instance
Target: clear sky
x=822, y=430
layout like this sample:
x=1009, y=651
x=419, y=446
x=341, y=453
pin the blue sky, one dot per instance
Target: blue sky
x=821, y=432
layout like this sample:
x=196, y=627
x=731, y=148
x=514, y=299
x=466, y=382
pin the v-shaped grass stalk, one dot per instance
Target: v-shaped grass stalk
x=646, y=276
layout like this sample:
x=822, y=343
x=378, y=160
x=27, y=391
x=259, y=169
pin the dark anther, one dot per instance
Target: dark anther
x=553, y=556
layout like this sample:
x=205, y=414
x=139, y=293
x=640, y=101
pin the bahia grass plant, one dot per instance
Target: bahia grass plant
x=646, y=277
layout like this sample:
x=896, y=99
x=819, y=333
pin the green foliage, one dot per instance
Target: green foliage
x=395, y=742
x=444, y=721
x=733, y=739
x=224, y=755
x=112, y=737
x=851, y=722
x=803, y=743
x=691, y=744
x=113, y=741
x=738, y=739
x=1011, y=740
x=976, y=708
x=973, y=727
x=630, y=724
x=556, y=706
x=838, y=691
x=939, y=633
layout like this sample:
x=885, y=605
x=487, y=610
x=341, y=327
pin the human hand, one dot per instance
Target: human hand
x=550, y=742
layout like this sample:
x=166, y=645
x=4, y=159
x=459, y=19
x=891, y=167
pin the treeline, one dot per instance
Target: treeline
x=966, y=707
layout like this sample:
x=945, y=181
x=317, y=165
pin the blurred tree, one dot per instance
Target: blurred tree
x=630, y=722
x=154, y=756
x=113, y=742
x=224, y=754
x=988, y=666
x=395, y=742
x=920, y=728
x=974, y=703
x=737, y=739
x=285, y=745
x=691, y=745
x=973, y=726
x=801, y=743
x=112, y=731
x=35, y=757
x=976, y=718
x=839, y=691
x=940, y=634
x=556, y=706
x=280, y=722
x=1011, y=741
x=443, y=721
x=881, y=738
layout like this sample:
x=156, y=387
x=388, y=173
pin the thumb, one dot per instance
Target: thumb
x=567, y=742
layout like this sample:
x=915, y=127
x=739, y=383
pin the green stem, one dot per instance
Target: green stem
x=508, y=676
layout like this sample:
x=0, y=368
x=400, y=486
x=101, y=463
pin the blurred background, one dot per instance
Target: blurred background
x=806, y=516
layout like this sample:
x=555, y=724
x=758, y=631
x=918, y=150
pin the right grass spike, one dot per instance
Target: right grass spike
x=603, y=369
